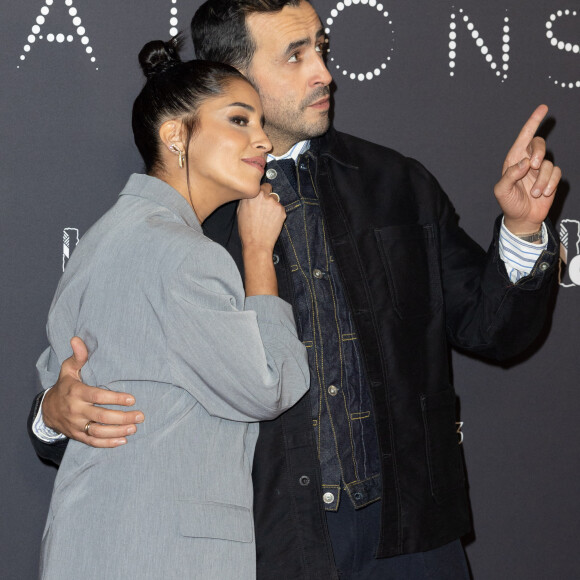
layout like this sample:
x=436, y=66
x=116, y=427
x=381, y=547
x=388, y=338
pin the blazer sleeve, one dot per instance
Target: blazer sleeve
x=239, y=357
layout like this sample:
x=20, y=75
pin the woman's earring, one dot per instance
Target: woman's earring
x=175, y=149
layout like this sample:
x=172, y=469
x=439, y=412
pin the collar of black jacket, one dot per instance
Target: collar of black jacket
x=332, y=145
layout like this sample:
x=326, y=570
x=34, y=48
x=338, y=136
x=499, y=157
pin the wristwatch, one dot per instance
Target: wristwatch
x=535, y=237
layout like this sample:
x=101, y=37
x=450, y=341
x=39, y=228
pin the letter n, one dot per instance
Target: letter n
x=460, y=19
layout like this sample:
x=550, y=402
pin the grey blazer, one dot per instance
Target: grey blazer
x=163, y=312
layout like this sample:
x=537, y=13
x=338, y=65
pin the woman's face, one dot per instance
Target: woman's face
x=227, y=154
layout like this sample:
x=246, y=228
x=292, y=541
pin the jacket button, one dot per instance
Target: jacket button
x=328, y=497
x=275, y=258
x=317, y=273
x=271, y=174
x=304, y=480
x=358, y=496
x=332, y=390
x=544, y=266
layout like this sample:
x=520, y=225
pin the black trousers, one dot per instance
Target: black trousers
x=355, y=534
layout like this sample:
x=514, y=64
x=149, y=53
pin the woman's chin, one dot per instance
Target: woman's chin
x=254, y=193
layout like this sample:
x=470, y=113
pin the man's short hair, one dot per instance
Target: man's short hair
x=219, y=30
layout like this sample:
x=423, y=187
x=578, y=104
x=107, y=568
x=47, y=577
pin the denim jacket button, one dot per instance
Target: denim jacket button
x=275, y=258
x=358, y=496
x=271, y=174
x=544, y=266
x=328, y=497
x=317, y=273
x=332, y=390
x=304, y=480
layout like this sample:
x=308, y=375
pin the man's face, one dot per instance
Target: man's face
x=288, y=69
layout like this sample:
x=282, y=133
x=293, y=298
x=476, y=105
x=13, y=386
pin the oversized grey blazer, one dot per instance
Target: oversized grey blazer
x=164, y=315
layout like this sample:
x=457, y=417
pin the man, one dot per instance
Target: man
x=363, y=477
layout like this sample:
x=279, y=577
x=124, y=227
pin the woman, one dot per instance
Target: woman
x=164, y=313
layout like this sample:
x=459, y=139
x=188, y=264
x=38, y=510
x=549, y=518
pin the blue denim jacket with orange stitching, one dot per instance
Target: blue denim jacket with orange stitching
x=340, y=396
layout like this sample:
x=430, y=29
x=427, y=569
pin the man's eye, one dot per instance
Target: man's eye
x=293, y=58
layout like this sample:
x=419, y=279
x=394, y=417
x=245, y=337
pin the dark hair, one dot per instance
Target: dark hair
x=174, y=90
x=219, y=30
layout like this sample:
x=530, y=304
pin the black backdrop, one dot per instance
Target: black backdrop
x=449, y=84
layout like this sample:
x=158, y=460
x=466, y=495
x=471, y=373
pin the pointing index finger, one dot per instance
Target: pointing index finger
x=529, y=129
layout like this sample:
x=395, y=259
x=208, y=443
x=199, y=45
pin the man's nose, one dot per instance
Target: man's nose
x=321, y=75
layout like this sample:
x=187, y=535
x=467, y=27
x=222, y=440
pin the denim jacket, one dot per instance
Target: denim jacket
x=340, y=398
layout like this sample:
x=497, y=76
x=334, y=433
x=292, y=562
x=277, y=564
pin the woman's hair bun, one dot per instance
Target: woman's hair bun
x=157, y=56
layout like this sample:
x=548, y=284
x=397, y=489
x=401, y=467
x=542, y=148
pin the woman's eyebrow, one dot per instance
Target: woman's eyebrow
x=243, y=105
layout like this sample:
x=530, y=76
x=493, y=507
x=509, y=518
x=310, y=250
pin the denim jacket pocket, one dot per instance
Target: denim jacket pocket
x=409, y=256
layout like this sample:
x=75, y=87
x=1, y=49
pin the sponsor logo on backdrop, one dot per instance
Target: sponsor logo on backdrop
x=570, y=253
x=47, y=29
x=70, y=238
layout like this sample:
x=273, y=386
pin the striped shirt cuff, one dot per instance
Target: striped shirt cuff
x=41, y=431
x=518, y=256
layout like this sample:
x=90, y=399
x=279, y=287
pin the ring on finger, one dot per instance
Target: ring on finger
x=274, y=194
x=87, y=426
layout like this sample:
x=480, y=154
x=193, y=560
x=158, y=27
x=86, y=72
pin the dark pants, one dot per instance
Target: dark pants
x=354, y=535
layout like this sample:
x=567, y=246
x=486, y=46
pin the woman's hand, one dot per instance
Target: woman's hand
x=260, y=221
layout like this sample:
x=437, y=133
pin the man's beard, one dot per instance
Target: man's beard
x=290, y=125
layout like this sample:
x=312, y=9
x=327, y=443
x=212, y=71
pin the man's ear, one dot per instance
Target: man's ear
x=170, y=134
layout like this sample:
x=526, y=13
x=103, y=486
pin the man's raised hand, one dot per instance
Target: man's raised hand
x=526, y=190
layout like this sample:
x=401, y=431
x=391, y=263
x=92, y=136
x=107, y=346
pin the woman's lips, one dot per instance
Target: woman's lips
x=258, y=162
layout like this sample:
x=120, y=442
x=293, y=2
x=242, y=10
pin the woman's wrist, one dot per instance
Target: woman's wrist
x=260, y=275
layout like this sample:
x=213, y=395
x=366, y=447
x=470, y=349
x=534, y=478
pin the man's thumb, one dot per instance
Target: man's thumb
x=80, y=352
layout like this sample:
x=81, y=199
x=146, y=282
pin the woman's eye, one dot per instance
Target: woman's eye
x=242, y=121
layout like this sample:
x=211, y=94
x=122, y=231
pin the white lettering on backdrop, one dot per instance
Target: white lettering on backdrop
x=562, y=45
x=59, y=37
x=460, y=16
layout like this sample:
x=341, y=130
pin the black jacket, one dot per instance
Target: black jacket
x=416, y=283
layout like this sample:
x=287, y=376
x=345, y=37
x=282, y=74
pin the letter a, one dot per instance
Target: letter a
x=37, y=33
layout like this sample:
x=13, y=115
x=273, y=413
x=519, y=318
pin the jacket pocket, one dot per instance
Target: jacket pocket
x=214, y=520
x=410, y=258
x=444, y=459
